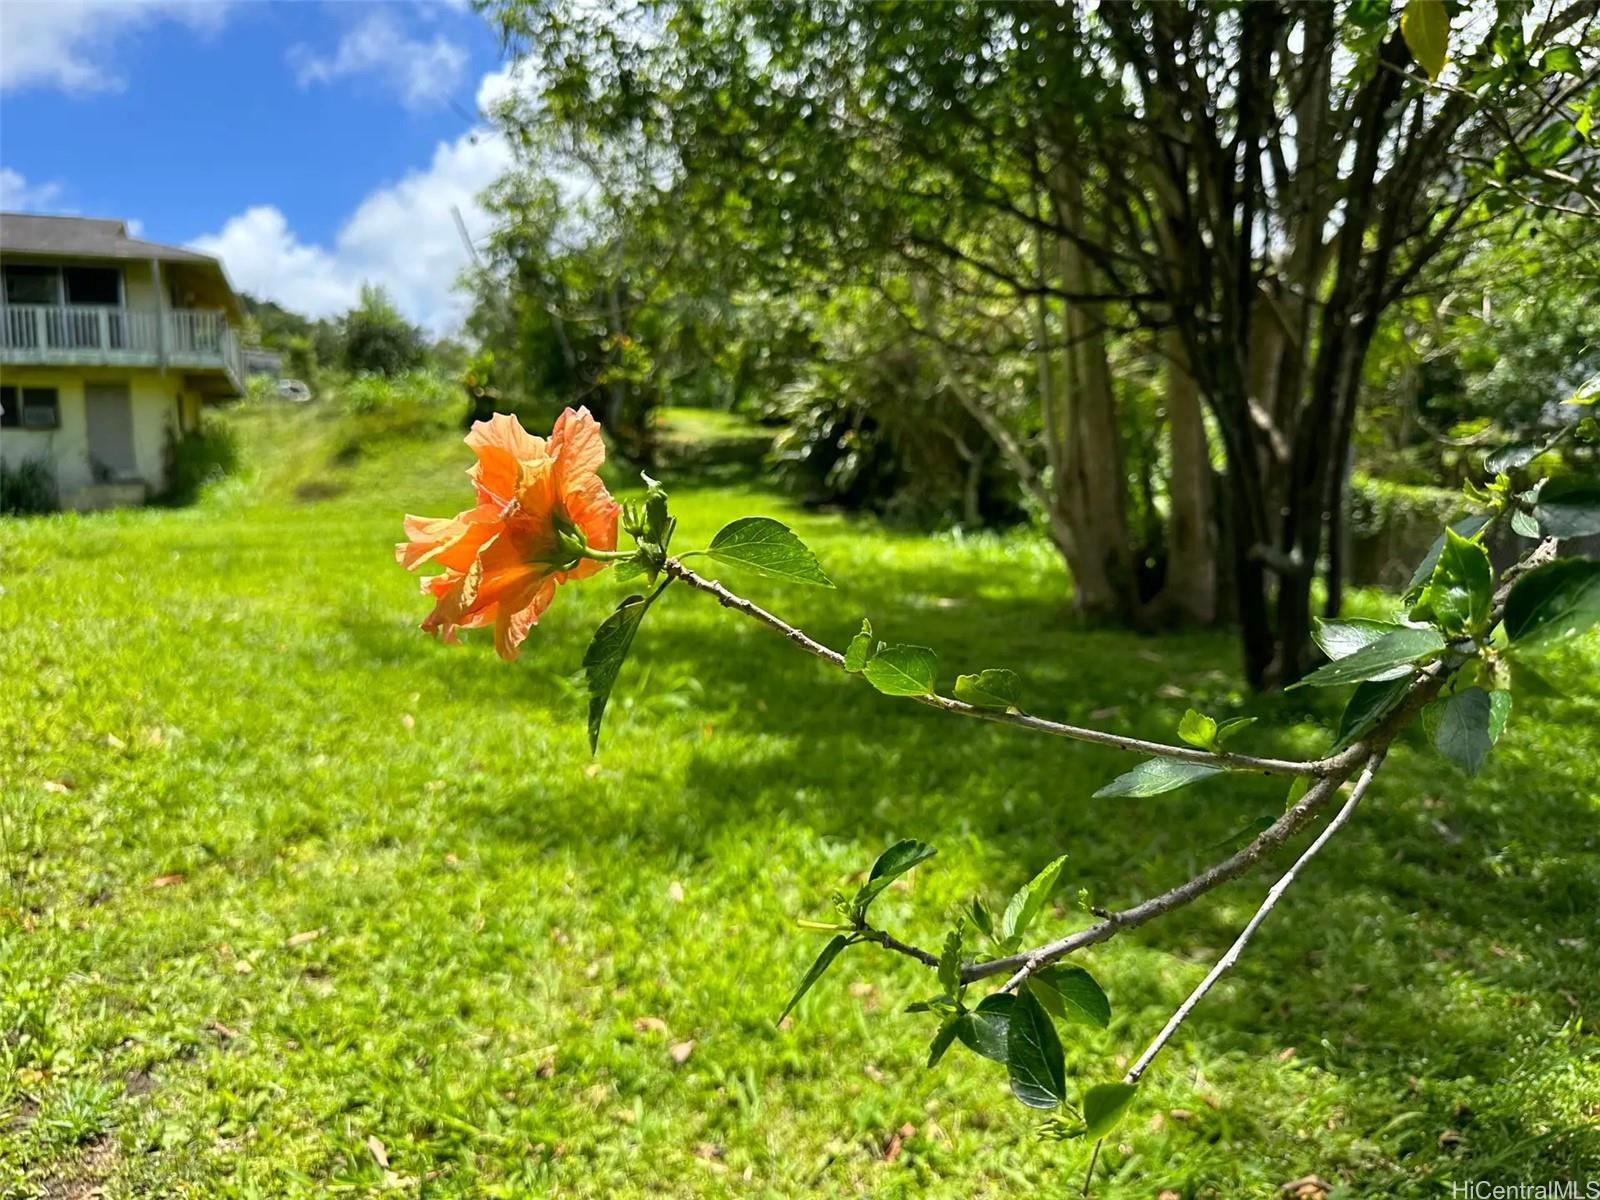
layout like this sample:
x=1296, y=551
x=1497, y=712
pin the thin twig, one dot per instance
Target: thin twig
x=1316, y=768
x=1225, y=963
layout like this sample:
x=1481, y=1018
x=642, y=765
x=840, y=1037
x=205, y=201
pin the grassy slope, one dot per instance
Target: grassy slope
x=236, y=694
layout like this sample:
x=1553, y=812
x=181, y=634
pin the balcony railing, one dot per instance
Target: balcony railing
x=84, y=335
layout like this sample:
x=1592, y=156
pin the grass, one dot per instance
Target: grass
x=295, y=903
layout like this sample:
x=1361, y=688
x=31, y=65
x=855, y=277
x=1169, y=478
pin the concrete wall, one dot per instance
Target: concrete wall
x=161, y=409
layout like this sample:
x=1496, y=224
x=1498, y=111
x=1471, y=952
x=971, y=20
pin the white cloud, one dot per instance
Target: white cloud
x=18, y=195
x=65, y=43
x=401, y=236
x=423, y=73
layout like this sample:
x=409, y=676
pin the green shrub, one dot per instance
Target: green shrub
x=30, y=488
x=200, y=457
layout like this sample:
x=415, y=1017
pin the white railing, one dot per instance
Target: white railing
x=91, y=335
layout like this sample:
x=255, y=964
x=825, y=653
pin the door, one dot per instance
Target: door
x=109, y=413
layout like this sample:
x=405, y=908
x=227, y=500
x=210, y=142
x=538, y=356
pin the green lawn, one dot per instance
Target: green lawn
x=286, y=888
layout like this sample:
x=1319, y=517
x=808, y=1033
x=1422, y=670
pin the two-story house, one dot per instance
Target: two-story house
x=109, y=345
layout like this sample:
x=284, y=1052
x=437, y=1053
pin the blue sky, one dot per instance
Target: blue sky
x=311, y=145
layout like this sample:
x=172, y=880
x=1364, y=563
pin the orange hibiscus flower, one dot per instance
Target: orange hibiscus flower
x=503, y=558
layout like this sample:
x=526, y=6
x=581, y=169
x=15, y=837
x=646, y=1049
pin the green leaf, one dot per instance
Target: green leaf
x=1198, y=730
x=1561, y=59
x=1460, y=591
x=950, y=960
x=1378, y=660
x=1226, y=729
x=768, y=547
x=1520, y=454
x=981, y=917
x=607, y=651
x=1425, y=25
x=1156, y=775
x=1468, y=724
x=986, y=1029
x=942, y=1039
x=1033, y=1055
x=1030, y=900
x=1341, y=639
x=1525, y=524
x=1072, y=994
x=1467, y=527
x=903, y=670
x=860, y=651
x=994, y=688
x=815, y=972
x=1556, y=601
x=1104, y=1104
x=1369, y=703
x=1569, y=508
x=1509, y=458
x=892, y=863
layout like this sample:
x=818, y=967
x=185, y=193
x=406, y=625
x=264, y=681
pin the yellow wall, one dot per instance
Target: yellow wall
x=138, y=286
x=158, y=413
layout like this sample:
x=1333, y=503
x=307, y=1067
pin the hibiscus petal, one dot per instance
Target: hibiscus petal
x=576, y=444
x=451, y=541
x=518, y=614
x=500, y=444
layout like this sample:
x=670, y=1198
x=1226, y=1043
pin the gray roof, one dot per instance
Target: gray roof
x=84, y=237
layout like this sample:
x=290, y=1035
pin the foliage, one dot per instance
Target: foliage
x=998, y=184
x=377, y=339
x=200, y=457
x=28, y=488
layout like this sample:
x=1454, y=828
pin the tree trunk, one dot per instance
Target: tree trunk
x=1093, y=481
x=1190, y=590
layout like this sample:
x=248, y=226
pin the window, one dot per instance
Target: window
x=29, y=408
x=33, y=285
x=93, y=285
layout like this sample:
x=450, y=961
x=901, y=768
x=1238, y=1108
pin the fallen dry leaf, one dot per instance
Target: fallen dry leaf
x=546, y=1069
x=897, y=1140
x=1180, y=1114
x=675, y=892
x=708, y=1150
x=301, y=938
x=222, y=1031
x=114, y=742
x=161, y=881
x=380, y=1153
x=1168, y=1194
x=1286, y=1054
x=650, y=1025
x=59, y=787
x=681, y=1051
x=1308, y=1187
x=408, y=720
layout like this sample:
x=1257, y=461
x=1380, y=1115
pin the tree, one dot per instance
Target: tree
x=1248, y=188
x=377, y=338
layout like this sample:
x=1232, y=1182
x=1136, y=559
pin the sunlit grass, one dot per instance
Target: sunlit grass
x=288, y=889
